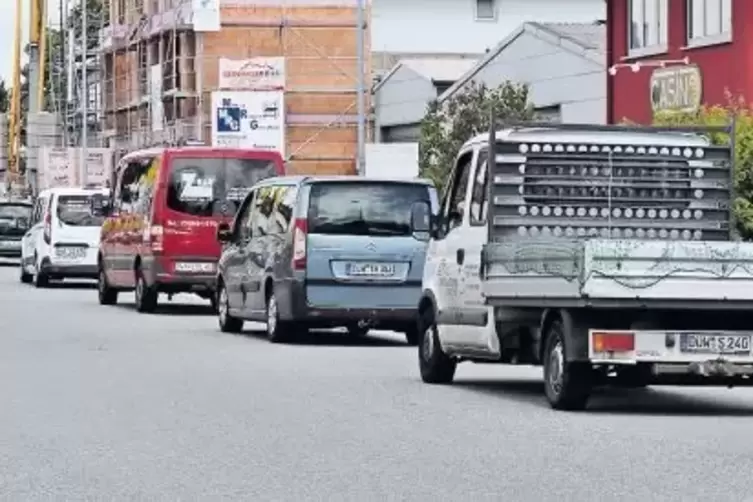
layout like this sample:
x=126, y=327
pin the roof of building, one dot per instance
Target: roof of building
x=438, y=69
x=587, y=40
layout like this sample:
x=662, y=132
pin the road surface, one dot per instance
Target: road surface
x=101, y=403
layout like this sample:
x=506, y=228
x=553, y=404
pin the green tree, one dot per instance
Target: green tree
x=448, y=125
x=4, y=97
x=741, y=112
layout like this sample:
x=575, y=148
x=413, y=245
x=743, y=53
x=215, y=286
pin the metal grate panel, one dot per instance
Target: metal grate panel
x=579, y=189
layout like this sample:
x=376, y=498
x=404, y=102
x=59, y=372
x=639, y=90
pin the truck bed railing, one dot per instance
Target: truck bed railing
x=610, y=181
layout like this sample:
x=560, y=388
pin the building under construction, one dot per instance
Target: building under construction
x=161, y=67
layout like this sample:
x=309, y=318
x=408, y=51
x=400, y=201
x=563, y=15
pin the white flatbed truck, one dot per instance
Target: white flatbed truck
x=606, y=254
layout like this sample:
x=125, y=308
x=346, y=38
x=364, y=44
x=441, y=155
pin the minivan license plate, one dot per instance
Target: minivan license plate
x=70, y=253
x=370, y=269
x=699, y=343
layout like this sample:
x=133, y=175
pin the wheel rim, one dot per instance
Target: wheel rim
x=556, y=368
x=222, y=305
x=427, y=344
x=139, y=290
x=272, y=315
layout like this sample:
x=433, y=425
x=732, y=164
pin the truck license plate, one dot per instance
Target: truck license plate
x=370, y=269
x=700, y=343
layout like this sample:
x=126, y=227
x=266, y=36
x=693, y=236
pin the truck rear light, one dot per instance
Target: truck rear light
x=156, y=240
x=612, y=341
x=300, y=231
x=47, y=232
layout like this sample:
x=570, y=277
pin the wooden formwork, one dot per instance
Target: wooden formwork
x=319, y=44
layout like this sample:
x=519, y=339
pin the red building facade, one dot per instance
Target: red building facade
x=715, y=35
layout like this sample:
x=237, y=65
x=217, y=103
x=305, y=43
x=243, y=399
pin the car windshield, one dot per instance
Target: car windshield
x=364, y=208
x=214, y=186
x=76, y=210
x=14, y=216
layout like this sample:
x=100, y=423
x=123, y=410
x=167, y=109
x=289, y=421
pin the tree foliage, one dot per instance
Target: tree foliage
x=741, y=112
x=449, y=124
x=4, y=97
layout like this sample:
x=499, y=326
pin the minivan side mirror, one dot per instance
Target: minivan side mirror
x=421, y=220
x=224, y=234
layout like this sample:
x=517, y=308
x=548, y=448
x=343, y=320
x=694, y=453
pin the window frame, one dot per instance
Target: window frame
x=243, y=215
x=494, y=15
x=482, y=156
x=463, y=163
x=662, y=32
x=706, y=39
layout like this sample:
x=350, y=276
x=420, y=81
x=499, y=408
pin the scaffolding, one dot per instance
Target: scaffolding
x=160, y=73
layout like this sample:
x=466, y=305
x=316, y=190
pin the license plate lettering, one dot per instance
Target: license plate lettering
x=70, y=253
x=699, y=343
x=370, y=269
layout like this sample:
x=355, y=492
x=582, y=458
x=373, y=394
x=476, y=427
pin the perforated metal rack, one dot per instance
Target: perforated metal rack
x=621, y=182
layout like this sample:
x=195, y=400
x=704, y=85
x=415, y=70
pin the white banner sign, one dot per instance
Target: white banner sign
x=155, y=97
x=57, y=168
x=252, y=74
x=249, y=119
x=63, y=167
x=206, y=15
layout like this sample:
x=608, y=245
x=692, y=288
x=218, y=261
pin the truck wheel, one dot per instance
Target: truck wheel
x=411, y=336
x=228, y=323
x=278, y=331
x=146, y=296
x=106, y=294
x=24, y=276
x=435, y=366
x=566, y=384
x=41, y=279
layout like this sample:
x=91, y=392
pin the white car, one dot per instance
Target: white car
x=63, y=241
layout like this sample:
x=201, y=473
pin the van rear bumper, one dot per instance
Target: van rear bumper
x=293, y=306
x=72, y=271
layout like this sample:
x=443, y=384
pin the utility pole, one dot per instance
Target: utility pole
x=361, y=94
x=37, y=36
x=84, y=85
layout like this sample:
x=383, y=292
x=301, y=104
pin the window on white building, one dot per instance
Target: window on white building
x=648, y=26
x=709, y=21
x=486, y=10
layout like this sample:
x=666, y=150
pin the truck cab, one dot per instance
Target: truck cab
x=606, y=254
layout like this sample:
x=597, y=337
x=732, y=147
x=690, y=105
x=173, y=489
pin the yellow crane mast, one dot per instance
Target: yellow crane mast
x=37, y=49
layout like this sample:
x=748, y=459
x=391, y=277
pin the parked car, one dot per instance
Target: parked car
x=63, y=238
x=323, y=252
x=15, y=220
x=159, y=236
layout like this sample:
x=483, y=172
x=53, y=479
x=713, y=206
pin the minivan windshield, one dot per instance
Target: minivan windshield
x=214, y=186
x=76, y=210
x=363, y=207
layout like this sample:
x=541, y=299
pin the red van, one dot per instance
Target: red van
x=160, y=232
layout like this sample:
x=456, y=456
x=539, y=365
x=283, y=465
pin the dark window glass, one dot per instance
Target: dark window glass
x=15, y=219
x=364, y=208
x=213, y=186
x=76, y=210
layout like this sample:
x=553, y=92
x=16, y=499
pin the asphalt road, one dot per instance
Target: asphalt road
x=101, y=403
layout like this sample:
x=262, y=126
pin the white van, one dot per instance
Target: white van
x=63, y=240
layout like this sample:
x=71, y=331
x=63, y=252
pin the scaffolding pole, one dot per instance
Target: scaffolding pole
x=360, y=53
x=84, y=83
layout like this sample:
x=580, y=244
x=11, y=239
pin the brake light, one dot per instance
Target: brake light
x=613, y=341
x=47, y=232
x=300, y=231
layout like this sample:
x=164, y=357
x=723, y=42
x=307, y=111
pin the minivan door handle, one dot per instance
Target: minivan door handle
x=460, y=256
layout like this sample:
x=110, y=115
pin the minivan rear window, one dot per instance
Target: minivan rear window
x=76, y=210
x=214, y=186
x=364, y=208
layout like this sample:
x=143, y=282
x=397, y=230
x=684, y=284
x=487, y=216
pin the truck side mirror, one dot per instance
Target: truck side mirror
x=224, y=234
x=421, y=220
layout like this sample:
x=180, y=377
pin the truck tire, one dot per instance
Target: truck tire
x=106, y=294
x=435, y=366
x=278, y=331
x=567, y=385
x=146, y=296
x=228, y=323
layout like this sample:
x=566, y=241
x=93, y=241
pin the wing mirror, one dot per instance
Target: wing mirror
x=422, y=221
x=224, y=234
